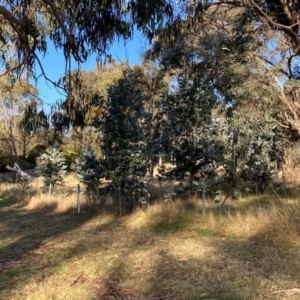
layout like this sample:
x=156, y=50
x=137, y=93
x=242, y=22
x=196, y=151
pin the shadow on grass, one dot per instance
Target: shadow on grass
x=171, y=277
x=23, y=233
x=230, y=269
x=193, y=279
x=261, y=269
x=252, y=202
x=12, y=195
x=233, y=270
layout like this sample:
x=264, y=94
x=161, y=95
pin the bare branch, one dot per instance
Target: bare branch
x=287, y=12
x=75, y=17
x=278, y=123
x=280, y=69
x=14, y=22
x=234, y=3
x=287, y=29
x=295, y=290
x=263, y=14
x=24, y=175
x=57, y=87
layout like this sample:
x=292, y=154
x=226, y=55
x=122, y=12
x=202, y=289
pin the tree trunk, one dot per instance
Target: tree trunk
x=234, y=155
x=12, y=147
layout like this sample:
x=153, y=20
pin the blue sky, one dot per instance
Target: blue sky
x=54, y=64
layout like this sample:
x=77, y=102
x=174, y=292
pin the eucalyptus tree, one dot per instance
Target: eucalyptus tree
x=90, y=85
x=220, y=57
x=277, y=23
x=34, y=122
x=78, y=28
x=103, y=75
x=13, y=99
x=279, y=15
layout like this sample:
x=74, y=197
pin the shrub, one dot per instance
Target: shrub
x=35, y=151
x=89, y=171
x=70, y=158
x=52, y=166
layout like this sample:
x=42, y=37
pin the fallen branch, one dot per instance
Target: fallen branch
x=296, y=290
x=77, y=279
x=169, y=296
x=23, y=175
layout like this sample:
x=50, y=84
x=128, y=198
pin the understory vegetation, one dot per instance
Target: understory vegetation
x=246, y=249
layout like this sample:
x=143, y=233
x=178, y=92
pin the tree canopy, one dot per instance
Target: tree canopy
x=80, y=28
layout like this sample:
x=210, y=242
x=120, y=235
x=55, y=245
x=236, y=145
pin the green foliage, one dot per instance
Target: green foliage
x=70, y=158
x=265, y=150
x=52, y=166
x=35, y=151
x=8, y=160
x=80, y=28
x=125, y=130
x=207, y=118
x=191, y=135
x=89, y=171
x=88, y=87
x=33, y=120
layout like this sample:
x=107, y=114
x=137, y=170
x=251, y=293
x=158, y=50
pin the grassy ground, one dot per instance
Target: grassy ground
x=248, y=250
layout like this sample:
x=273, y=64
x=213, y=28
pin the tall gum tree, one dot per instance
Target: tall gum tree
x=226, y=48
x=13, y=99
x=279, y=21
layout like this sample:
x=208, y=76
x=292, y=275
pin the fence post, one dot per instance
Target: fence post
x=78, y=198
x=50, y=188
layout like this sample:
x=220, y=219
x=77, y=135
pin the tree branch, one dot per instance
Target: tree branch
x=295, y=290
x=235, y=3
x=287, y=11
x=277, y=122
x=12, y=69
x=10, y=17
x=75, y=17
x=24, y=175
x=45, y=76
x=288, y=29
x=280, y=69
x=14, y=22
x=59, y=20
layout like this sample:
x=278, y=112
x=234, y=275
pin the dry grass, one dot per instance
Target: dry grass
x=61, y=200
x=248, y=250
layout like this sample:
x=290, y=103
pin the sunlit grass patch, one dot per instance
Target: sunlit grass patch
x=57, y=203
